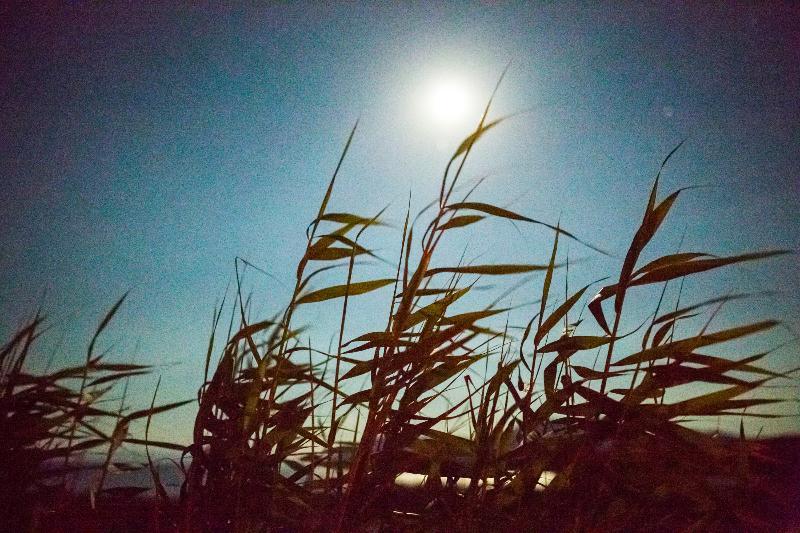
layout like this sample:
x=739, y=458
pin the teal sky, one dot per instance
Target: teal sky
x=147, y=148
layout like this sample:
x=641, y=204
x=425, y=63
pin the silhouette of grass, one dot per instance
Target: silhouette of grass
x=284, y=443
x=270, y=449
x=49, y=420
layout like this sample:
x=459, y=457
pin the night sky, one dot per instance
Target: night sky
x=146, y=148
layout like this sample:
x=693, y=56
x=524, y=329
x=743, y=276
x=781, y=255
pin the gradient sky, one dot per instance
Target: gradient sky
x=146, y=148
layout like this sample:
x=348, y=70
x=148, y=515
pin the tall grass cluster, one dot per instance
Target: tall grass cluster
x=49, y=421
x=283, y=439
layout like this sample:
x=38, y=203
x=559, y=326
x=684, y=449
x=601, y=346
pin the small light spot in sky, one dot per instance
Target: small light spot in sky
x=448, y=101
x=448, y=104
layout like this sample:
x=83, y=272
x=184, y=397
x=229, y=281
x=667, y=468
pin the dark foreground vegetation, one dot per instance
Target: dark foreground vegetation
x=285, y=439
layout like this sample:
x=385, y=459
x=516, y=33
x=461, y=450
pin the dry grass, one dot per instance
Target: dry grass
x=270, y=451
x=49, y=420
x=283, y=441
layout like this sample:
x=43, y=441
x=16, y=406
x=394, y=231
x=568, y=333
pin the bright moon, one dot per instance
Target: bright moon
x=449, y=102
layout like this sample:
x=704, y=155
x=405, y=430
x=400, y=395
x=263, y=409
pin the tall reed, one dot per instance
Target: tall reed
x=49, y=420
x=272, y=448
